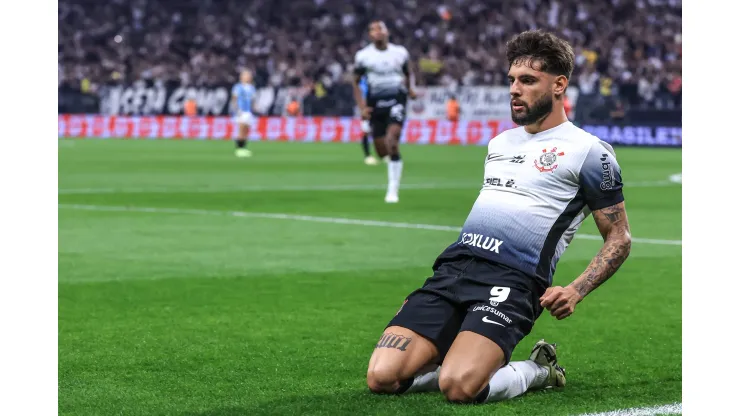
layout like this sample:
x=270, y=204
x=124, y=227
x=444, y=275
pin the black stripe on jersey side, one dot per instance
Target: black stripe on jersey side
x=575, y=206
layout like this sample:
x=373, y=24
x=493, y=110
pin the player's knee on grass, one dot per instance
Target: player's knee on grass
x=461, y=385
x=468, y=367
x=384, y=378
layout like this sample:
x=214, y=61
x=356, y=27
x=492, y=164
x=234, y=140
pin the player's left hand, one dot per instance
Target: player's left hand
x=560, y=301
x=412, y=94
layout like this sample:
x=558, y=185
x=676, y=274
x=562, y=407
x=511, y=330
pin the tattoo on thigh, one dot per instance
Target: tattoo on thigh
x=390, y=340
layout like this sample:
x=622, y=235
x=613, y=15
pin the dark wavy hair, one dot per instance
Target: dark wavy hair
x=554, y=55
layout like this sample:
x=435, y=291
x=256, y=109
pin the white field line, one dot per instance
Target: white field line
x=309, y=218
x=258, y=188
x=352, y=187
x=666, y=409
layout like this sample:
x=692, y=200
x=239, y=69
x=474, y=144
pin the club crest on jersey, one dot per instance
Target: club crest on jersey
x=547, y=162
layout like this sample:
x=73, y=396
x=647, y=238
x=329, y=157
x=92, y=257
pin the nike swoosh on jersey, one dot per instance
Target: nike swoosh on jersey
x=488, y=321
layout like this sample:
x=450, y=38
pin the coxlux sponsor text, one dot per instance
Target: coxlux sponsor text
x=481, y=241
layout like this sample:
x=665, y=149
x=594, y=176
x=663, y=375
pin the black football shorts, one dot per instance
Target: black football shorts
x=386, y=112
x=470, y=294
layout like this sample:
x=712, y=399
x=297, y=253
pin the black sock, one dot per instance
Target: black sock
x=396, y=157
x=483, y=395
x=366, y=145
x=405, y=384
x=241, y=143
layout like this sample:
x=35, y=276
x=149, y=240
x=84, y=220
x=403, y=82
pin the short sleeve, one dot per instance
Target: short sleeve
x=406, y=59
x=359, y=65
x=601, y=177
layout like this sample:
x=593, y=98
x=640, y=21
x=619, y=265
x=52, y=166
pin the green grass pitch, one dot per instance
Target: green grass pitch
x=184, y=309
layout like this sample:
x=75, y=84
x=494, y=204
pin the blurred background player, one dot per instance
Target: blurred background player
x=369, y=159
x=386, y=66
x=242, y=95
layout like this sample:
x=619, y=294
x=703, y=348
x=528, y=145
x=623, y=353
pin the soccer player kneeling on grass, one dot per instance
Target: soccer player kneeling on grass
x=456, y=333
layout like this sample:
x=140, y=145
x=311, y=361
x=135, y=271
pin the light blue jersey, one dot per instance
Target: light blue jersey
x=244, y=94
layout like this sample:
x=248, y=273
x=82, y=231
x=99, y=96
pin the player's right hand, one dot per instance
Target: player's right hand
x=560, y=301
x=366, y=113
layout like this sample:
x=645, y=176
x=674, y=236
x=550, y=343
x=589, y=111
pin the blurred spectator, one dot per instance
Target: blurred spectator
x=630, y=48
x=191, y=109
x=647, y=87
x=293, y=108
x=453, y=109
x=674, y=87
x=617, y=111
x=588, y=94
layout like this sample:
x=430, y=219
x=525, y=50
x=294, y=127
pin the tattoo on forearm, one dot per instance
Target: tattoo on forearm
x=613, y=215
x=611, y=256
x=389, y=340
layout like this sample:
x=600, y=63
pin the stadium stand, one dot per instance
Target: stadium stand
x=628, y=52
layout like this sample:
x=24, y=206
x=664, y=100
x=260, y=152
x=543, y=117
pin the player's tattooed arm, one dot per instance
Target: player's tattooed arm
x=614, y=228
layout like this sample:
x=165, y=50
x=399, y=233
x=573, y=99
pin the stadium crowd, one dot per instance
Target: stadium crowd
x=629, y=49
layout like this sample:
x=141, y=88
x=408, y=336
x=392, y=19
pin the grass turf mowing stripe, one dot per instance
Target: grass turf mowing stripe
x=332, y=220
x=667, y=409
x=294, y=188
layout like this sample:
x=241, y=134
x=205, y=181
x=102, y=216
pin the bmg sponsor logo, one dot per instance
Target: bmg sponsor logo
x=480, y=241
x=606, y=173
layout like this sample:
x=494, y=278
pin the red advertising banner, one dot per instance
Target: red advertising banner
x=301, y=129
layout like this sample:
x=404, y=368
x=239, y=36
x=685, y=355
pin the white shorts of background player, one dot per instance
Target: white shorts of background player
x=245, y=117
